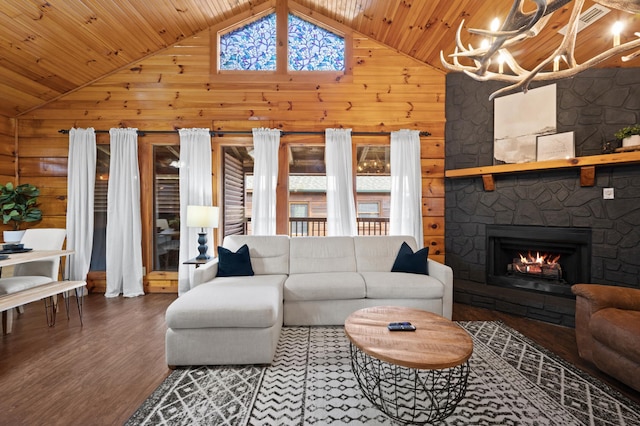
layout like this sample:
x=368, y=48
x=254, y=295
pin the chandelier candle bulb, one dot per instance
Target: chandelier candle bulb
x=495, y=25
x=616, y=30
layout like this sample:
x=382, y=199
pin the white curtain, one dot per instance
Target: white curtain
x=405, y=216
x=124, y=235
x=265, y=177
x=341, y=210
x=195, y=190
x=81, y=177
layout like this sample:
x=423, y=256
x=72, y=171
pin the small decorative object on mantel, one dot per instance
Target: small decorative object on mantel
x=630, y=137
x=18, y=204
x=609, y=146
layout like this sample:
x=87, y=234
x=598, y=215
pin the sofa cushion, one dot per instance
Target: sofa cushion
x=324, y=286
x=619, y=329
x=400, y=285
x=234, y=264
x=269, y=253
x=322, y=254
x=377, y=253
x=229, y=302
x=410, y=262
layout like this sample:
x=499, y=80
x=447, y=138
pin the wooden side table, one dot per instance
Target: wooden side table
x=416, y=376
x=198, y=262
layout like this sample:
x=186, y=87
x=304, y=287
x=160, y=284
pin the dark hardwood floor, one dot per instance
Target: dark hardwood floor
x=98, y=374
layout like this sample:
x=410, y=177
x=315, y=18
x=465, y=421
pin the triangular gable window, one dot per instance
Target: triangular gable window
x=253, y=46
x=250, y=48
x=312, y=48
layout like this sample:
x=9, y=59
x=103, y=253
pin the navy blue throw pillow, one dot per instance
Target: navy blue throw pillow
x=413, y=263
x=232, y=264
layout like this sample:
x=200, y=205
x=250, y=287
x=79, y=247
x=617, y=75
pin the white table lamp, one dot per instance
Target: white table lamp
x=202, y=217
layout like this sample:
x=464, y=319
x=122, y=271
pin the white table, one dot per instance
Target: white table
x=30, y=256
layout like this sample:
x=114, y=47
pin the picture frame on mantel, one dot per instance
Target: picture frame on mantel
x=519, y=119
x=558, y=146
x=514, y=150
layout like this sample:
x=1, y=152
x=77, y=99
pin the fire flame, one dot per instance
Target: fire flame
x=544, y=259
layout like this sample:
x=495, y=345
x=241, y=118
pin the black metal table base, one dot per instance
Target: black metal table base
x=51, y=305
x=409, y=395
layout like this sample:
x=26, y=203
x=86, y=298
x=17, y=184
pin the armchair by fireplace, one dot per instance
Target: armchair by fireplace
x=608, y=329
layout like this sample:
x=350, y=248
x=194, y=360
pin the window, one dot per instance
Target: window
x=99, y=251
x=298, y=227
x=312, y=48
x=299, y=210
x=237, y=190
x=368, y=209
x=166, y=237
x=373, y=189
x=308, y=186
x=166, y=160
x=253, y=46
x=250, y=48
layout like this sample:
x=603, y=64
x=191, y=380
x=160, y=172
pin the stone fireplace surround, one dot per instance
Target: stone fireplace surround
x=593, y=104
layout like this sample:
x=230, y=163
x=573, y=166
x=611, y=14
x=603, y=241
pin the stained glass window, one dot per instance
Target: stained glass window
x=312, y=48
x=253, y=47
x=250, y=48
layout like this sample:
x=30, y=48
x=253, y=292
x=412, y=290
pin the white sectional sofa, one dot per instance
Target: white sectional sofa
x=296, y=281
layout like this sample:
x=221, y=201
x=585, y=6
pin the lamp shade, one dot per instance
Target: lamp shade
x=202, y=216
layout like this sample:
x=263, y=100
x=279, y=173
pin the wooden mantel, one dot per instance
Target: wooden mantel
x=586, y=164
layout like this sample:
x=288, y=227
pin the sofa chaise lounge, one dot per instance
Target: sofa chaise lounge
x=300, y=281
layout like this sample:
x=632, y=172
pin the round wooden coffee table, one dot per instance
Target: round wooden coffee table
x=412, y=376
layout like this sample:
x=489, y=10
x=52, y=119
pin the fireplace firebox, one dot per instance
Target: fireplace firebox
x=537, y=258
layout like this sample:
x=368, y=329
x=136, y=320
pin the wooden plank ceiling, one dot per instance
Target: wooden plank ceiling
x=51, y=48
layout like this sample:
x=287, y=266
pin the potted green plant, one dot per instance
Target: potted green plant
x=18, y=204
x=630, y=135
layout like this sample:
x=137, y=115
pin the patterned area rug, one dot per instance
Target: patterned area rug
x=512, y=381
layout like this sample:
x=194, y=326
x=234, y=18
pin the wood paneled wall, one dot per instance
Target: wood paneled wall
x=7, y=150
x=384, y=91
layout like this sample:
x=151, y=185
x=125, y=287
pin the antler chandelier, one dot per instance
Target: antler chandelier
x=519, y=26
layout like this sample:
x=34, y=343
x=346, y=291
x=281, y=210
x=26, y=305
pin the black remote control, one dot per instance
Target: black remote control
x=401, y=326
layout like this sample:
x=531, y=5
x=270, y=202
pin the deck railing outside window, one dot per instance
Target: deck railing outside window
x=317, y=226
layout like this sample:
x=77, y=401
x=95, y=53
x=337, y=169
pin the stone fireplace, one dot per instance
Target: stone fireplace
x=593, y=105
x=543, y=259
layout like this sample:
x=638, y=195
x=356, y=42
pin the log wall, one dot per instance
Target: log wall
x=384, y=91
x=7, y=150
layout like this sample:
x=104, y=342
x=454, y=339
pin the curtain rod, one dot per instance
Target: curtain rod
x=247, y=132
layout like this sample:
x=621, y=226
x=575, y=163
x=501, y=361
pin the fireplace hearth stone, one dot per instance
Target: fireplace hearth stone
x=525, y=303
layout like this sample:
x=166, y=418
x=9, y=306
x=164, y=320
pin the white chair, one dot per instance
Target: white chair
x=32, y=274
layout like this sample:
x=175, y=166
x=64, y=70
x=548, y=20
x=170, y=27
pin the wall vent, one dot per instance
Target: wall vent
x=588, y=17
